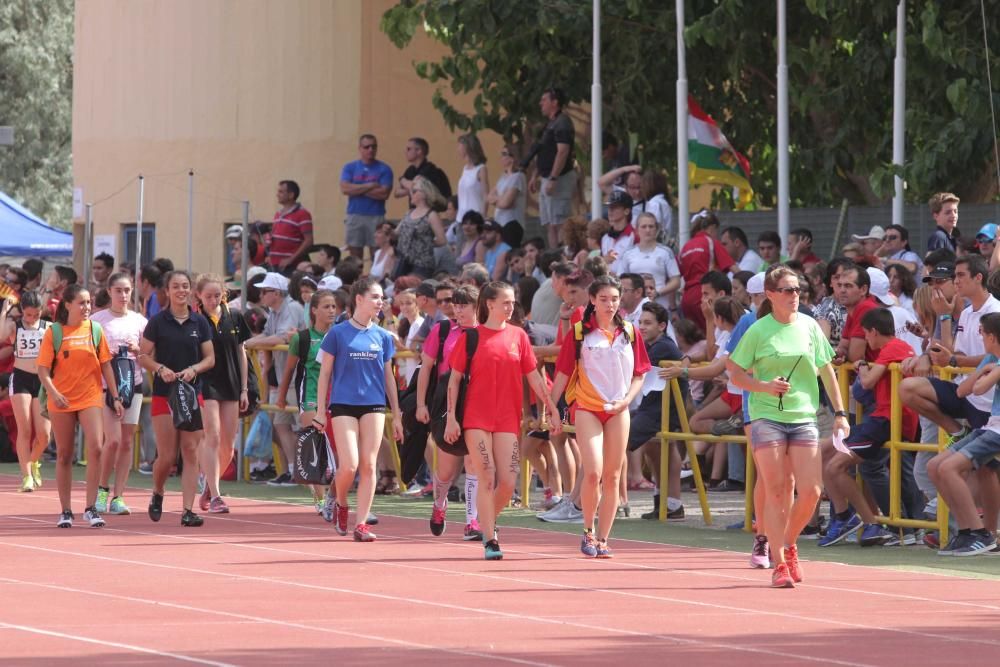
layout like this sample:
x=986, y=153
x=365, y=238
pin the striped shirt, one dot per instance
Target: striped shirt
x=290, y=228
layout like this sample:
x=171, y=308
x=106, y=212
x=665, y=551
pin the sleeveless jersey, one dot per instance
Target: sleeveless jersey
x=27, y=342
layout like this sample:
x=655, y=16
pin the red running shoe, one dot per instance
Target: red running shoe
x=362, y=533
x=438, y=520
x=205, y=499
x=781, y=578
x=340, y=518
x=792, y=561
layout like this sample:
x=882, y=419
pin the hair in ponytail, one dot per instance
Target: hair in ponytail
x=771, y=279
x=490, y=291
x=68, y=296
x=599, y=283
x=314, y=302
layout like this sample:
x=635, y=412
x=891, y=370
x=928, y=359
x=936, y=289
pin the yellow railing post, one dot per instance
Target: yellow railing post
x=664, y=474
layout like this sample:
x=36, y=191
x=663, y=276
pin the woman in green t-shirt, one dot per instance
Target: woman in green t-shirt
x=785, y=352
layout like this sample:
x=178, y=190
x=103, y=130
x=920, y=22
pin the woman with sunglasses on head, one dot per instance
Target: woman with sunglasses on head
x=224, y=387
x=123, y=328
x=603, y=370
x=176, y=345
x=26, y=337
x=357, y=363
x=71, y=369
x=785, y=351
x=493, y=404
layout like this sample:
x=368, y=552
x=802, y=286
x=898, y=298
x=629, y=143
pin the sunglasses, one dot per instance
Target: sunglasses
x=446, y=299
x=366, y=147
x=788, y=290
x=892, y=238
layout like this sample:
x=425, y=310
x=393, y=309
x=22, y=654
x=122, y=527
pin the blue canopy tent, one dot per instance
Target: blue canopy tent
x=23, y=234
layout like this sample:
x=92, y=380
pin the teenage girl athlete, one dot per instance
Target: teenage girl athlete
x=322, y=312
x=71, y=376
x=122, y=327
x=448, y=465
x=26, y=337
x=785, y=351
x=176, y=345
x=224, y=387
x=603, y=373
x=493, y=404
x=357, y=363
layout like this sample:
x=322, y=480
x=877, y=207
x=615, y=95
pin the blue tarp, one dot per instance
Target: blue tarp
x=24, y=234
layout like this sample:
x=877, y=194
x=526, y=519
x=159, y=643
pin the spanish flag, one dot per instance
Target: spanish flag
x=712, y=159
x=7, y=293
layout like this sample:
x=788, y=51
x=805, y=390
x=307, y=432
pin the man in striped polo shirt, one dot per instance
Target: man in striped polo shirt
x=291, y=231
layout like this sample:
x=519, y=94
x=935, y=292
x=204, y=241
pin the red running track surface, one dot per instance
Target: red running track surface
x=272, y=584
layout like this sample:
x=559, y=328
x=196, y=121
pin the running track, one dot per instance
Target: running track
x=273, y=584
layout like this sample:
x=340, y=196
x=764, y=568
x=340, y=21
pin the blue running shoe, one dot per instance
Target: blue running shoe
x=839, y=530
x=588, y=546
x=874, y=535
x=493, y=550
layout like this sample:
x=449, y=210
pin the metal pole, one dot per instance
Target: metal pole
x=596, y=120
x=190, y=264
x=138, y=241
x=683, y=222
x=88, y=245
x=783, y=185
x=245, y=255
x=899, y=111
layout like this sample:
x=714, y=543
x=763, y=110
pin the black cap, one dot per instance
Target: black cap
x=619, y=198
x=942, y=270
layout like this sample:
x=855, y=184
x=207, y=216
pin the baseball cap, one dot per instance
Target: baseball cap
x=989, y=230
x=942, y=270
x=876, y=232
x=331, y=282
x=274, y=281
x=619, y=198
x=879, y=287
x=756, y=284
x=234, y=232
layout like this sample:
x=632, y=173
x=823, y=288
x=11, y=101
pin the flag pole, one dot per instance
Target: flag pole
x=899, y=111
x=190, y=264
x=783, y=189
x=596, y=120
x=138, y=241
x=683, y=222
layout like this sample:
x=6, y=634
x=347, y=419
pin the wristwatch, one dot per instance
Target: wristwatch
x=840, y=413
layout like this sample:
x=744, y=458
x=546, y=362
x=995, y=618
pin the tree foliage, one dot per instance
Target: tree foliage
x=36, y=95
x=840, y=55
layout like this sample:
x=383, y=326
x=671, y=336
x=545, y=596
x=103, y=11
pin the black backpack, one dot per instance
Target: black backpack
x=408, y=397
x=439, y=407
x=125, y=372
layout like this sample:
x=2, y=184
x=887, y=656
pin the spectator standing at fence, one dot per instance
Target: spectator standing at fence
x=420, y=234
x=701, y=254
x=853, y=294
x=555, y=176
x=648, y=256
x=734, y=240
x=367, y=182
x=492, y=251
x=870, y=242
x=944, y=210
x=355, y=378
x=785, y=352
x=291, y=230
x=977, y=452
x=123, y=327
x=71, y=375
x=474, y=183
x=510, y=195
x=417, y=150
x=895, y=249
x=621, y=236
x=493, y=404
x=176, y=345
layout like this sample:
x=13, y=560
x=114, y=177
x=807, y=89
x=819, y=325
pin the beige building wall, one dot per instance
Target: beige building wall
x=245, y=93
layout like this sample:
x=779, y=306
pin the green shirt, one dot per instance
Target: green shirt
x=771, y=349
x=307, y=387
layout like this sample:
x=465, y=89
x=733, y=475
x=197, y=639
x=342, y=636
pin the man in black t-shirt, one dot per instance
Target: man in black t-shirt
x=417, y=150
x=555, y=165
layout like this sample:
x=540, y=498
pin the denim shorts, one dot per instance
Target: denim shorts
x=981, y=447
x=767, y=433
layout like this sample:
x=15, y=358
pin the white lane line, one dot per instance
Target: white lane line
x=590, y=627
x=107, y=644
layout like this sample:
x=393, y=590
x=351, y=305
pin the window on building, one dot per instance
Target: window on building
x=148, y=243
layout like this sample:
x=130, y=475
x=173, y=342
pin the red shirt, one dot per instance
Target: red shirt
x=503, y=357
x=288, y=232
x=894, y=351
x=852, y=325
x=696, y=260
x=575, y=316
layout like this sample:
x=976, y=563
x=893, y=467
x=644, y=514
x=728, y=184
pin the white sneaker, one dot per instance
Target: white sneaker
x=575, y=515
x=93, y=517
x=415, y=489
x=565, y=512
x=555, y=510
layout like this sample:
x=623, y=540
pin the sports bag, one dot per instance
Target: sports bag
x=184, y=408
x=125, y=378
x=314, y=462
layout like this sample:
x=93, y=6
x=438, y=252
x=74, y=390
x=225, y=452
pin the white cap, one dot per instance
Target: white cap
x=234, y=232
x=879, y=287
x=331, y=282
x=756, y=284
x=255, y=271
x=876, y=232
x=274, y=281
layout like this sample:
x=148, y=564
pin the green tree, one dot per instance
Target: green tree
x=36, y=95
x=840, y=52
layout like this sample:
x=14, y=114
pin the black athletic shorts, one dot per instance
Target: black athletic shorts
x=23, y=382
x=356, y=411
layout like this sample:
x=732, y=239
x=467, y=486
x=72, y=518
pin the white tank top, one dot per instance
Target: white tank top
x=470, y=193
x=27, y=342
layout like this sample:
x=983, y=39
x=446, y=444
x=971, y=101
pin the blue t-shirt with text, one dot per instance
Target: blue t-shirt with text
x=358, y=173
x=360, y=356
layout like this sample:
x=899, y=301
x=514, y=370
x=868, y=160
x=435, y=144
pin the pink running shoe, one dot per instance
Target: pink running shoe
x=438, y=520
x=472, y=531
x=792, y=561
x=205, y=499
x=781, y=578
x=760, y=557
x=362, y=533
x=340, y=518
x=218, y=506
